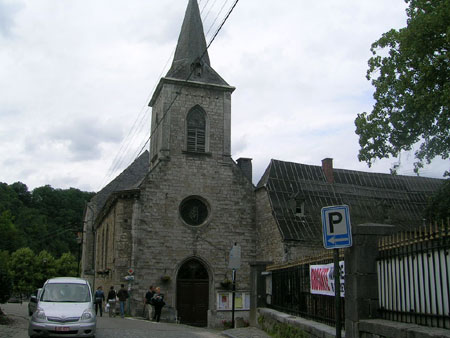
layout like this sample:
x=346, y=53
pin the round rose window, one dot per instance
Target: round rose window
x=194, y=211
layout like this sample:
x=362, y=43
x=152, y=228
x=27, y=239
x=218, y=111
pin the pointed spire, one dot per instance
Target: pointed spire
x=191, y=42
x=191, y=56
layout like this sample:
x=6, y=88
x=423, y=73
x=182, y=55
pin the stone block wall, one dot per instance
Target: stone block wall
x=379, y=328
x=272, y=320
x=169, y=136
x=269, y=242
x=164, y=241
x=113, y=244
x=361, y=283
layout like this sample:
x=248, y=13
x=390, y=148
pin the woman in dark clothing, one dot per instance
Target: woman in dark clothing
x=158, y=303
x=112, y=302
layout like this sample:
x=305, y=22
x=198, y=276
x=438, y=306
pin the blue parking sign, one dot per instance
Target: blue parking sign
x=337, y=230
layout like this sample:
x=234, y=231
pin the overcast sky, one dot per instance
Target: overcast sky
x=76, y=77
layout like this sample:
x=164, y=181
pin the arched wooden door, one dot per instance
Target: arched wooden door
x=193, y=293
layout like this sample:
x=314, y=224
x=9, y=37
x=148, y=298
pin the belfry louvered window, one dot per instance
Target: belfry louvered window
x=196, y=130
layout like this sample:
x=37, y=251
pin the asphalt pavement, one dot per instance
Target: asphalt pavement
x=125, y=327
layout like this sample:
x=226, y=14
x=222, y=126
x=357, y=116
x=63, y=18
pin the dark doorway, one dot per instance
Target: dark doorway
x=193, y=293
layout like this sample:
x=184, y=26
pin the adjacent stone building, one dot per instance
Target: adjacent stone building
x=171, y=218
x=290, y=196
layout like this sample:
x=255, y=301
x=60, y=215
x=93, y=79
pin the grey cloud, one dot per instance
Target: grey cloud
x=7, y=13
x=84, y=137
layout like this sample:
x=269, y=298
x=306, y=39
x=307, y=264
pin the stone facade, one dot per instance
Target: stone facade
x=270, y=244
x=165, y=241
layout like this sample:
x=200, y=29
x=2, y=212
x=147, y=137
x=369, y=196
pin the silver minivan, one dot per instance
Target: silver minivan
x=65, y=308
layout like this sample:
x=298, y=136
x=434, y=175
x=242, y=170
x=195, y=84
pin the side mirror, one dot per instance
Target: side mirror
x=33, y=299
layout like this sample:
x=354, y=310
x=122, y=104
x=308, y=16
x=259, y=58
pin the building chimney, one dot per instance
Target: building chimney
x=327, y=167
x=246, y=166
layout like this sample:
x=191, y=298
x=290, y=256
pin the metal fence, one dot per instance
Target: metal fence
x=414, y=276
x=291, y=290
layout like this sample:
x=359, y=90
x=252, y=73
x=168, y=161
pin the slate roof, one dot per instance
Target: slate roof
x=191, y=48
x=372, y=197
x=129, y=179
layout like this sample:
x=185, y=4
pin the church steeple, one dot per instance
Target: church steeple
x=191, y=57
x=191, y=42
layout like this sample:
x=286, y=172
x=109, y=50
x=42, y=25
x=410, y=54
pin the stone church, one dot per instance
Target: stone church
x=171, y=218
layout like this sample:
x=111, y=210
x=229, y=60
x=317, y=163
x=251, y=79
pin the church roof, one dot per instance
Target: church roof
x=129, y=179
x=372, y=197
x=191, y=60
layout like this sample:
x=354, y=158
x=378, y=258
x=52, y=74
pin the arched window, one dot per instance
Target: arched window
x=196, y=130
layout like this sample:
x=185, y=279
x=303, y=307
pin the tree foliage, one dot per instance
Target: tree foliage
x=27, y=271
x=29, y=221
x=5, y=277
x=45, y=217
x=410, y=72
x=23, y=270
x=67, y=265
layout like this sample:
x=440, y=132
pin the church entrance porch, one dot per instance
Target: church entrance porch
x=193, y=293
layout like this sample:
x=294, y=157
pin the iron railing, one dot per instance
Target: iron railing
x=414, y=276
x=290, y=292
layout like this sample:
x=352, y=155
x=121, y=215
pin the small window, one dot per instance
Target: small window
x=196, y=131
x=297, y=206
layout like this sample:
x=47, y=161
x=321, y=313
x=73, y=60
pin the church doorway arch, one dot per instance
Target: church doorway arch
x=193, y=293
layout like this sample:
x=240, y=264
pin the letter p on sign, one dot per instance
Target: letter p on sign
x=337, y=232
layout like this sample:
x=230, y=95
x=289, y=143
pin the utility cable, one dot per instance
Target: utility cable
x=189, y=76
x=206, y=4
x=120, y=156
x=207, y=14
x=54, y=234
x=220, y=12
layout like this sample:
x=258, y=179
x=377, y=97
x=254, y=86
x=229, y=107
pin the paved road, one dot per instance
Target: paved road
x=108, y=327
x=124, y=327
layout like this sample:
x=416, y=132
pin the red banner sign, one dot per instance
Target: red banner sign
x=322, y=279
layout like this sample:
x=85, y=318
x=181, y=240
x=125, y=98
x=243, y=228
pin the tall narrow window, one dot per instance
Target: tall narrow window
x=196, y=130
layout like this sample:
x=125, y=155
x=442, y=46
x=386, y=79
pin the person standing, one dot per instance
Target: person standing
x=99, y=297
x=112, y=301
x=149, y=302
x=122, y=295
x=158, y=302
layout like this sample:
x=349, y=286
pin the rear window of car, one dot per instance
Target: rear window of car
x=66, y=292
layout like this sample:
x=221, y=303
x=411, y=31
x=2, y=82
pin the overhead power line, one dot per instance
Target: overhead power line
x=217, y=16
x=189, y=76
x=138, y=123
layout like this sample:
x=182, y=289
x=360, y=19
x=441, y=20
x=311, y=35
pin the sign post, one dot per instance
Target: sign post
x=234, y=264
x=337, y=233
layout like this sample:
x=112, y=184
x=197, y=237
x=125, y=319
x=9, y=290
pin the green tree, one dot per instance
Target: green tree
x=45, y=218
x=67, y=265
x=5, y=278
x=22, y=192
x=10, y=238
x=410, y=71
x=23, y=269
x=45, y=268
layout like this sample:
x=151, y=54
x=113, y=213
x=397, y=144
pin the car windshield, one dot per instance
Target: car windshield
x=66, y=292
